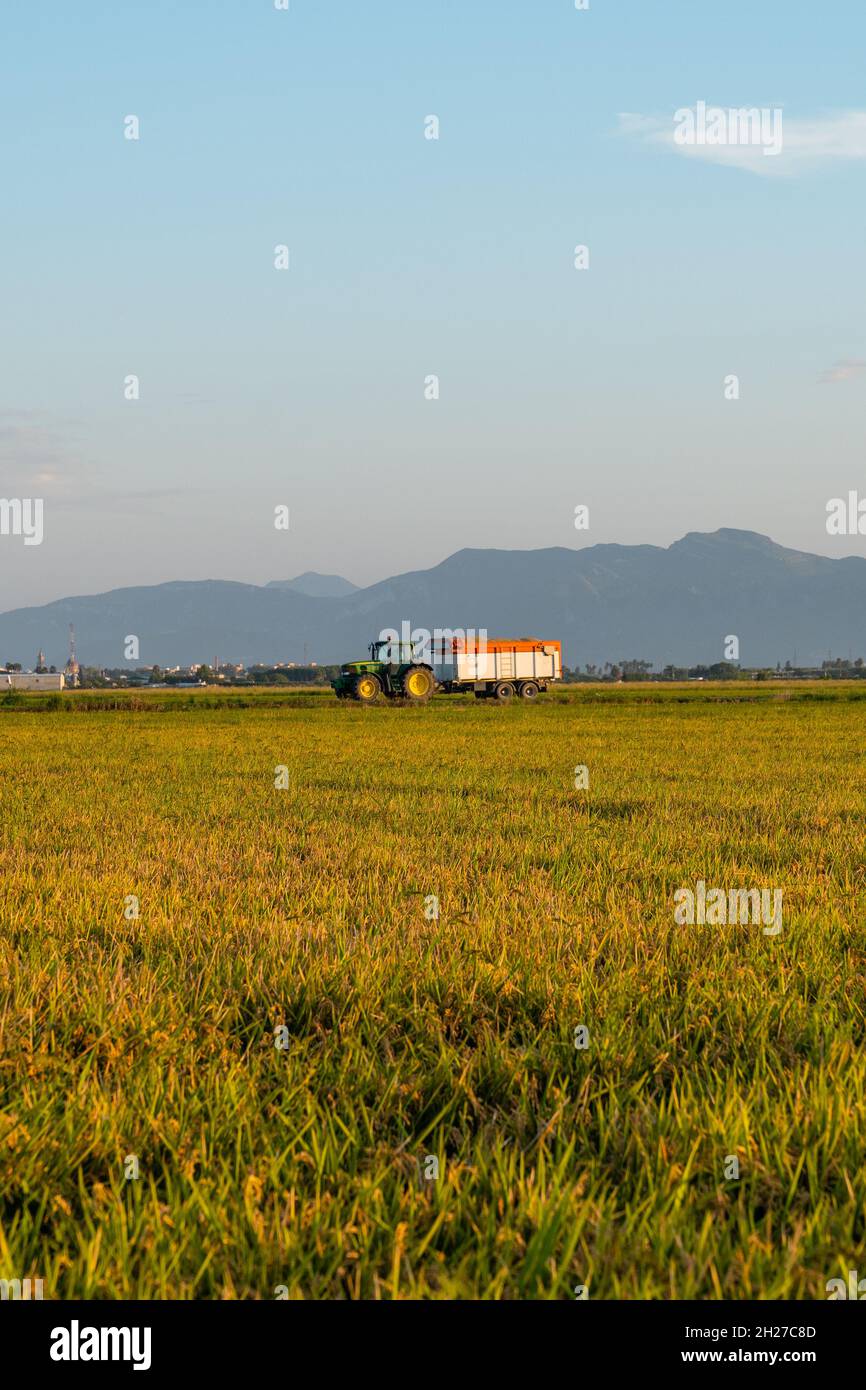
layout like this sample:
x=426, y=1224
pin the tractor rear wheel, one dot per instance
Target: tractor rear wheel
x=528, y=690
x=504, y=691
x=419, y=684
x=366, y=688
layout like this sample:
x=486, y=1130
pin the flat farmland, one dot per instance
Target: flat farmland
x=308, y=1000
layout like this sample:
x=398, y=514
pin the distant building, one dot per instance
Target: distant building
x=31, y=680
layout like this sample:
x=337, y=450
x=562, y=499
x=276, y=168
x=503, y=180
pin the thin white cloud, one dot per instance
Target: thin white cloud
x=39, y=455
x=806, y=144
x=843, y=370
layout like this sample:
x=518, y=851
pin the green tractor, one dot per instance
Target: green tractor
x=392, y=671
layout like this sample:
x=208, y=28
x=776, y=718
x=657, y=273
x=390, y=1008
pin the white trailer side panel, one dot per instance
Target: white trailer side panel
x=508, y=663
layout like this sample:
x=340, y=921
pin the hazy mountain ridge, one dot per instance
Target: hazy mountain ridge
x=606, y=602
x=316, y=585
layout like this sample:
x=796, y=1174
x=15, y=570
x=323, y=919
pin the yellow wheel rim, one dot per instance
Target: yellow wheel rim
x=417, y=683
x=367, y=688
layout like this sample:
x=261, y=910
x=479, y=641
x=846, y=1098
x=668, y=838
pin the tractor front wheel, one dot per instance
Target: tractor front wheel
x=419, y=684
x=367, y=688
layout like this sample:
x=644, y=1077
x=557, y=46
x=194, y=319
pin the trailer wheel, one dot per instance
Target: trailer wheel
x=528, y=690
x=504, y=691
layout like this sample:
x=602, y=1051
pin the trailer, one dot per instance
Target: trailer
x=498, y=668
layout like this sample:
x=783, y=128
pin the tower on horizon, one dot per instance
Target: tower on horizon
x=71, y=670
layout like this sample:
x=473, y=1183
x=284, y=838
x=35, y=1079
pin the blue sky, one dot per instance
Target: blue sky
x=411, y=257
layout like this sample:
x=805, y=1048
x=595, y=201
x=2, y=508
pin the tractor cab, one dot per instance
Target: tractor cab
x=392, y=652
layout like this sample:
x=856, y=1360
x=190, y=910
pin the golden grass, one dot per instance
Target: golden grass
x=303, y=1168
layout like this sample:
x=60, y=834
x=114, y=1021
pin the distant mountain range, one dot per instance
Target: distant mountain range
x=605, y=602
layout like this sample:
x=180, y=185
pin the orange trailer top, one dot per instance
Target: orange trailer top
x=506, y=644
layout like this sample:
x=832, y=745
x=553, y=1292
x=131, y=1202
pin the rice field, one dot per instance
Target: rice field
x=305, y=1000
